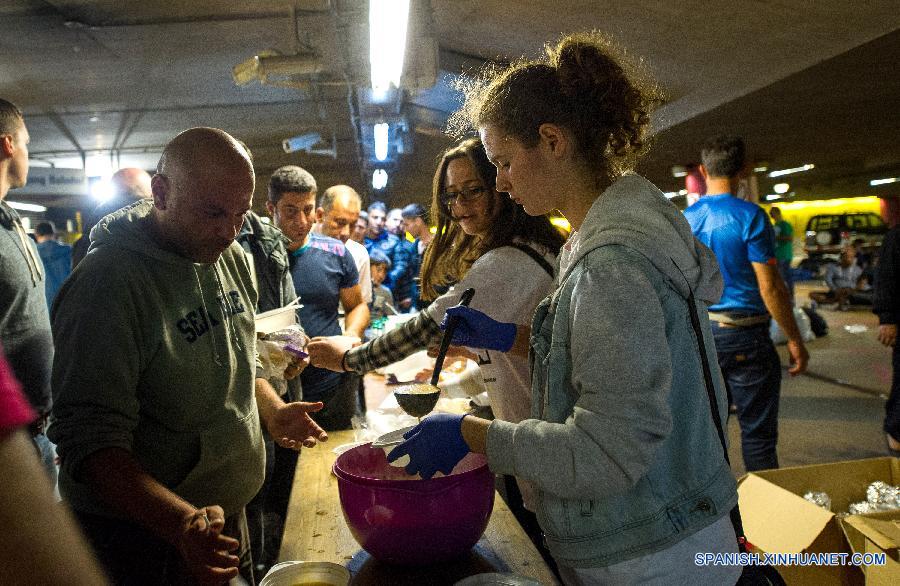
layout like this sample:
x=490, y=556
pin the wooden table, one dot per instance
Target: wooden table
x=315, y=530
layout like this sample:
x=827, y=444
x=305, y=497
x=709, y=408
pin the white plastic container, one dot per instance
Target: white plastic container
x=277, y=319
x=299, y=573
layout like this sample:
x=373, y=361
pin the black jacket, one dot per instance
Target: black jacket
x=887, y=280
x=266, y=244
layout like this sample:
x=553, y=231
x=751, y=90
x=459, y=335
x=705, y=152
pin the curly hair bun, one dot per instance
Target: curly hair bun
x=583, y=66
x=585, y=85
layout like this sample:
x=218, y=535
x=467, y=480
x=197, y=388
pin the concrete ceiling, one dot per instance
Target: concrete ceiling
x=840, y=115
x=803, y=82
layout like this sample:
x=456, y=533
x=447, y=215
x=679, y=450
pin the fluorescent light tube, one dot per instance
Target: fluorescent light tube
x=792, y=170
x=381, y=141
x=387, y=42
x=26, y=207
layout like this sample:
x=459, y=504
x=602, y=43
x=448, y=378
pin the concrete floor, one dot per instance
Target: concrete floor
x=835, y=411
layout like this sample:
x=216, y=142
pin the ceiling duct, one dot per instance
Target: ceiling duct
x=271, y=68
x=305, y=143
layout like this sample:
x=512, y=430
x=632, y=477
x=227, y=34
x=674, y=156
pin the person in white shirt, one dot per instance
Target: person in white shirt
x=486, y=242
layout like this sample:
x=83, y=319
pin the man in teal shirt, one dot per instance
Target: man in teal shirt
x=784, y=247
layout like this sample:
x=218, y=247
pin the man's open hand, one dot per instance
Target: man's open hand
x=292, y=427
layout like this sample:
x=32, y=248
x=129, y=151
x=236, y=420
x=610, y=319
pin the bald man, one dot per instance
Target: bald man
x=129, y=185
x=158, y=407
x=336, y=216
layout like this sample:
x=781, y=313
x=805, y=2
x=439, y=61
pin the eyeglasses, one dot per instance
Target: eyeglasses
x=469, y=194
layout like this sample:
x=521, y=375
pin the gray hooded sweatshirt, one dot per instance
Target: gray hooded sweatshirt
x=24, y=322
x=156, y=355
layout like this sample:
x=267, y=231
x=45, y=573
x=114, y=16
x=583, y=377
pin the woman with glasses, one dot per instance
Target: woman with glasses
x=621, y=444
x=483, y=241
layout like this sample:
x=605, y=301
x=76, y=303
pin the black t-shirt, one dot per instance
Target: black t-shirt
x=320, y=270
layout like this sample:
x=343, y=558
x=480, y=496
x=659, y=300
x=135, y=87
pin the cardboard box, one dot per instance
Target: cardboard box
x=777, y=519
x=876, y=533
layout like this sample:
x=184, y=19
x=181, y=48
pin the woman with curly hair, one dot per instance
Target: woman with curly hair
x=621, y=445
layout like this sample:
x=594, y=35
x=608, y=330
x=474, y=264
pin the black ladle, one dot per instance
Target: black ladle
x=464, y=300
x=419, y=404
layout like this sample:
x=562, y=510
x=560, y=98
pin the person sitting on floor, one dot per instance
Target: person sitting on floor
x=842, y=279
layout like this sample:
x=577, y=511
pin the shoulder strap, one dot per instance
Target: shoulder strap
x=714, y=410
x=707, y=374
x=548, y=268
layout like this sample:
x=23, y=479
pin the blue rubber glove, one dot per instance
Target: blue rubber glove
x=434, y=445
x=476, y=330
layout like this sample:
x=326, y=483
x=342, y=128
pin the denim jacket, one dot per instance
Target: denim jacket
x=622, y=446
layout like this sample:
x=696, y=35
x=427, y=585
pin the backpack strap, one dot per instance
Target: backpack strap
x=538, y=258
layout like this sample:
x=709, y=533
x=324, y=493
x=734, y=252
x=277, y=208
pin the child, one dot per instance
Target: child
x=380, y=306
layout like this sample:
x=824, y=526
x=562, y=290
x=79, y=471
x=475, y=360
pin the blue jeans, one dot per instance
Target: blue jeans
x=752, y=372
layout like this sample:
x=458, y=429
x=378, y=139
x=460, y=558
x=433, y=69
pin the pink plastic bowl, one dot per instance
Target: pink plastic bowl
x=406, y=520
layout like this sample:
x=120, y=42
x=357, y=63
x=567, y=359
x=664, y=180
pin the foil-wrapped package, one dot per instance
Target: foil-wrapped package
x=880, y=496
x=861, y=508
x=820, y=499
x=883, y=495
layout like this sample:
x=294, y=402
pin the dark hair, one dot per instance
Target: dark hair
x=723, y=156
x=581, y=85
x=10, y=117
x=45, y=229
x=376, y=257
x=290, y=178
x=413, y=210
x=377, y=205
x=363, y=215
x=452, y=252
